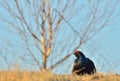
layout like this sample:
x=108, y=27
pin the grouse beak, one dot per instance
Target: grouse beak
x=74, y=53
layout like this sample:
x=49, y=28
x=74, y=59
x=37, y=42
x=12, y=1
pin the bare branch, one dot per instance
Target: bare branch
x=32, y=54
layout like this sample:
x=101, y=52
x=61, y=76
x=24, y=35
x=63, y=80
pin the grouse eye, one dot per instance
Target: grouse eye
x=76, y=52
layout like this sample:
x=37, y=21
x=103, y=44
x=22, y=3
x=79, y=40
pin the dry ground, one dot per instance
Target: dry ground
x=47, y=76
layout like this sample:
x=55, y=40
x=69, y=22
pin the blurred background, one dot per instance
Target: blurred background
x=43, y=34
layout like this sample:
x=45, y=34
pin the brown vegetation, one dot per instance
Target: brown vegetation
x=48, y=76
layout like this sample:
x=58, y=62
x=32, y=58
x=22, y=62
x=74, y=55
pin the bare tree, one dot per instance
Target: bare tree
x=52, y=29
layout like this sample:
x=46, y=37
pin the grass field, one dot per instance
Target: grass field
x=48, y=76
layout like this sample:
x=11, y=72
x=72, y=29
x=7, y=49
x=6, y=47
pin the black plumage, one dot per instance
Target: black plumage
x=82, y=64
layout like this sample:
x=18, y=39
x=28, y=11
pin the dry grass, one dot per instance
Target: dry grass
x=47, y=76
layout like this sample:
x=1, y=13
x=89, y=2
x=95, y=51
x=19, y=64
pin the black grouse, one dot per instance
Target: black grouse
x=82, y=65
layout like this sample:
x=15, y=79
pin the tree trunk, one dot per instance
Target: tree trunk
x=44, y=55
x=44, y=62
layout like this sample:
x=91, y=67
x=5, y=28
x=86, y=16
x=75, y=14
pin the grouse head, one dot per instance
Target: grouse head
x=79, y=54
